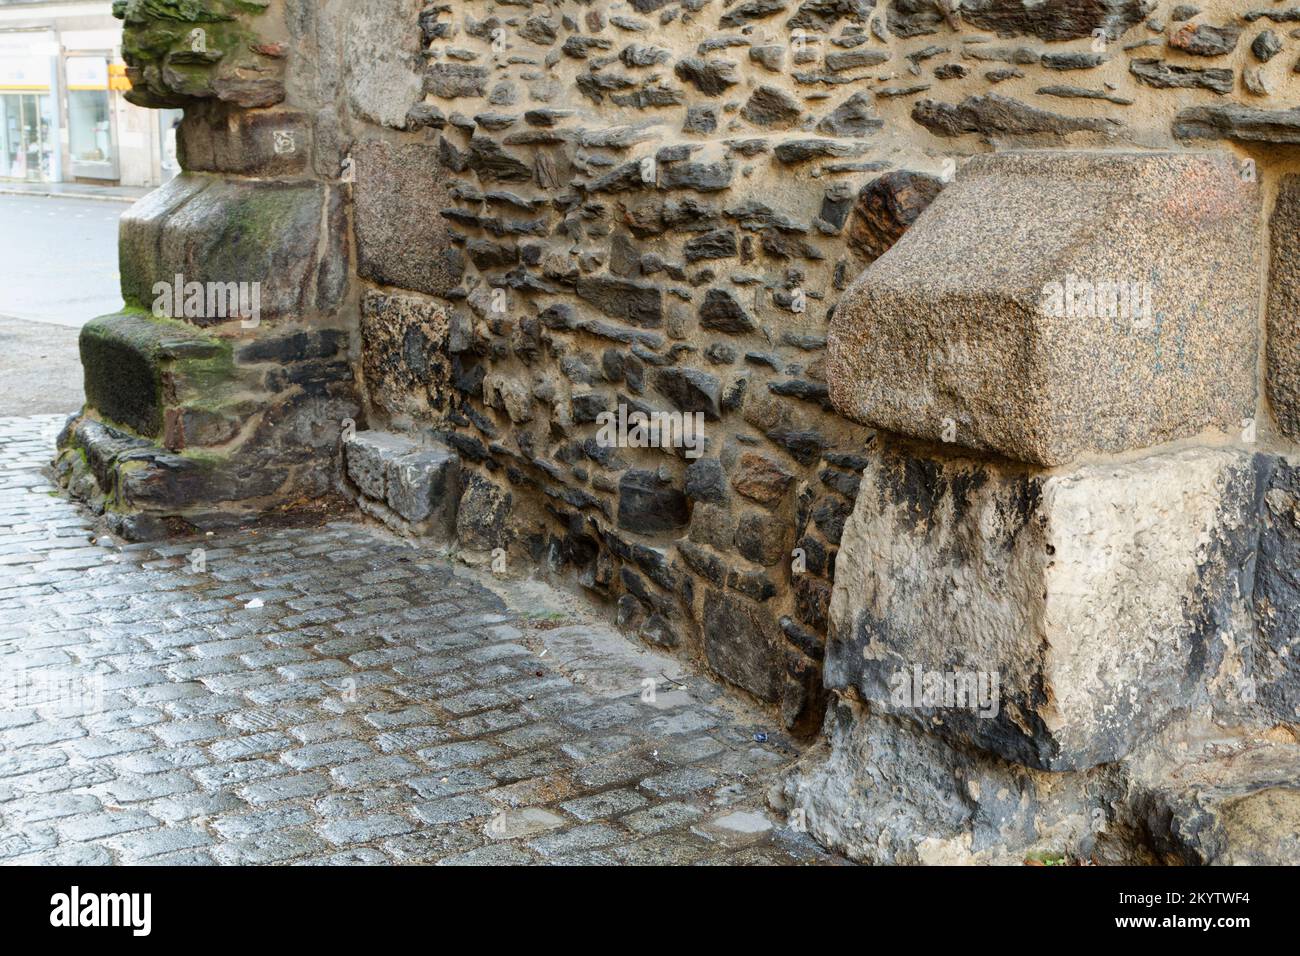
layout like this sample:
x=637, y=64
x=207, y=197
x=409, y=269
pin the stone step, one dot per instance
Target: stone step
x=413, y=487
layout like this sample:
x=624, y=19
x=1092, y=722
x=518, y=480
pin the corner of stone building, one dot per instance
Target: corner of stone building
x=222, y=387
x=827, y=230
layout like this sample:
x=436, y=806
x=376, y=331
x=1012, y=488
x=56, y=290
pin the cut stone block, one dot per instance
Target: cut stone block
x=423, y=483
x=420, y=484
x=222, y=232
x=1283, y=307
x=368, y=455
x=1052, y=304
x=1100, y=599
x=394, y=246
x=133, y=360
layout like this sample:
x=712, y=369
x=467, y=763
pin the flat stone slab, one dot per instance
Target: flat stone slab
x=1048, y=305
x=1055, y=620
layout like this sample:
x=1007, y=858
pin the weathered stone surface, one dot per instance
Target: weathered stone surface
x=482, y=514
x=760, y=479
x=636, y=304
x=424, y=485
x=1010, y=365
x=368, y=457
x=1276, y=666
x=405, y=358
x=1241, y=124
x=1056, y=19
x=889, y=793
x=740, y=642
x=133, y=360
x=393, y=246
x=994, y=115
x=1266, y=45
x=710, y=76
x=856, y=116
x=886, y=207
x=1100, y=597
x=1283, y=348
x=691, y=390
x=214, y=231
x=772, y=108
x=648, y=504
x=1162, y=75
x=213, y=137
x=180, y=51
x=1204, y=39
x=382, y=63
x=720, y=312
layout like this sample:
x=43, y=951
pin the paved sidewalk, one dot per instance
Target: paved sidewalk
x=126, y=194
x=332, y=695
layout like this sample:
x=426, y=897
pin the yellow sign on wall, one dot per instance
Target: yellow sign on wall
x=117, y=78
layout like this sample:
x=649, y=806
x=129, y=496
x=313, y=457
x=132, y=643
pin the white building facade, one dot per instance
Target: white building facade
x=63, y=117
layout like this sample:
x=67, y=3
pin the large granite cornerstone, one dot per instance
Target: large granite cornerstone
x=1051, y=304
x=1100, y=599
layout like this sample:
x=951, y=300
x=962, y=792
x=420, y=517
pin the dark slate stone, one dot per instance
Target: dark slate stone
x=1206, y=40
x=1276, y=593
x=648, y=506
x=690, y=390
x=701, y=119
x=1053, y=19
x=749, y=11
x=635, y=304
x=854, y=59
x=992, y=113
x=740, y=643
x=854, y=117
x=760, y=537
x=1073, y=60
x=455, y=80
x=1238, y=123
x=1158, y=73
x=715, y=244
x=772, y=108
x=1266, y=45
x=886, y=207
x=702, y=177
x=706, y=481
x=492, y=163
x=802, y=150
x=710, y=77
x=803, y=445
x=818, y=16
x=587, y=407
x=720, y=312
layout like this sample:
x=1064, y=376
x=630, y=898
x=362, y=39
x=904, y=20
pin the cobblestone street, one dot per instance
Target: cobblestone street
x=332, y=695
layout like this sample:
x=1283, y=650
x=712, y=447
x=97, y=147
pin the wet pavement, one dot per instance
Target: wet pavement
x=331, y=694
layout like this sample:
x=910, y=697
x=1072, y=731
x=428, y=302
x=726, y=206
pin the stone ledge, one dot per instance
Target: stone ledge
x=958, y=333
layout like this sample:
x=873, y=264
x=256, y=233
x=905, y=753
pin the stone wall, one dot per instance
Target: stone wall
x=481, y=225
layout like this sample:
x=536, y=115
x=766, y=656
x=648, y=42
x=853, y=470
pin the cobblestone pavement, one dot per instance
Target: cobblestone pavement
x=332, y=695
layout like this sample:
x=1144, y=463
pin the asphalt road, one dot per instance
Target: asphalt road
x=58, y=270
